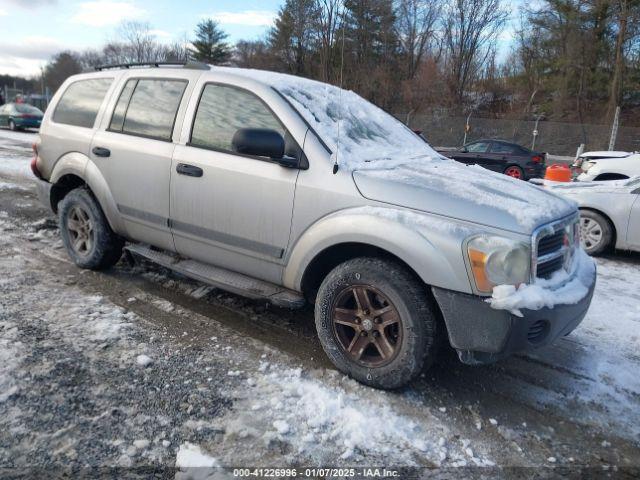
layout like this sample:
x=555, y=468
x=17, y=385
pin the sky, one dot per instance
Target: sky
x=34, y=30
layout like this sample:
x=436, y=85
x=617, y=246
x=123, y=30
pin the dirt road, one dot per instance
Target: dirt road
x=140, y=368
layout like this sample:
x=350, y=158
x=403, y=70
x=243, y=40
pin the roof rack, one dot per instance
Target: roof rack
x=190, y=64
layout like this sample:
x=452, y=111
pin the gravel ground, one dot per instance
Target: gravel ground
x=150, y=373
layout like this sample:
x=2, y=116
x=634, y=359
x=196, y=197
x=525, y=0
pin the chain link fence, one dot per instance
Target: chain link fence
x=556, y=138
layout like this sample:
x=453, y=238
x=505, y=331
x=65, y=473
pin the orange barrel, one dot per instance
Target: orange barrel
x=558, y=173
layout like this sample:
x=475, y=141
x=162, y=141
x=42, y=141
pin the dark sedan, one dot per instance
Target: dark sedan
x=504, y=157
x=17, y=116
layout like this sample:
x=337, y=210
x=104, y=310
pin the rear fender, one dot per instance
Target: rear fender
x=81, y=166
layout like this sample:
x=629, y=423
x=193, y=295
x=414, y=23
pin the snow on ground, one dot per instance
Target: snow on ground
x=336, y=417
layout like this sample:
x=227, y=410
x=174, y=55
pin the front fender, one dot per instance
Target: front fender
x=81, y=166
x=429, y=244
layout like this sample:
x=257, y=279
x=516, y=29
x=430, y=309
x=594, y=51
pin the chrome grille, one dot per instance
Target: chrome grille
x=554, y=247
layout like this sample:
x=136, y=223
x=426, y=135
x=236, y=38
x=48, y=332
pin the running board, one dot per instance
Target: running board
x=221, y=278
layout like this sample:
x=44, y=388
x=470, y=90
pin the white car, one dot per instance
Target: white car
x=609, y=213
x=600, y=166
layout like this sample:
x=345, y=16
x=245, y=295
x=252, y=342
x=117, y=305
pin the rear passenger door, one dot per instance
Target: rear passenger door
x=235, y=210
x=134, y=155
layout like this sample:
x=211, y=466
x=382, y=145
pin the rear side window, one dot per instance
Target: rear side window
x=223, y=110
x=81, y=101
x=148, y=108
x=504, y=148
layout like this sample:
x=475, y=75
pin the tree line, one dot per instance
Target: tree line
x=572, y=60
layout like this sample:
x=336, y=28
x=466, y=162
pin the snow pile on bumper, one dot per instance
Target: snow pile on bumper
x=561, y=289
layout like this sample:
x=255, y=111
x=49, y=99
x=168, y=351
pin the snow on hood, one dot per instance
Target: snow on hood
x=354, y=129
x=469, y=193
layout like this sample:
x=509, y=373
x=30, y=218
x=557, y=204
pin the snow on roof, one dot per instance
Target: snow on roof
x=353, y=128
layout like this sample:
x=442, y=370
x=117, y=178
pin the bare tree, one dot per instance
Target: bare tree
x=416, y=22
x=471, y=27
x=328, y=25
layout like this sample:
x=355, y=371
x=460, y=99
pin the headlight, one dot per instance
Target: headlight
x=498, y=261
x=587, y=165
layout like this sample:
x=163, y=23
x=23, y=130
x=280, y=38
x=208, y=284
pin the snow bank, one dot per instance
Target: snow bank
x=346, y=420
x=562, y=288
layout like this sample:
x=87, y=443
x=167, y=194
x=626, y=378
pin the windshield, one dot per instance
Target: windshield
x=368, y=137
x=30, y=109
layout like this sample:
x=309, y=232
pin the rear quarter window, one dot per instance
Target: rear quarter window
x=81, y=102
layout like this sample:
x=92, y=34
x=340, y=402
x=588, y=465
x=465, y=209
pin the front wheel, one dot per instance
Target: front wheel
x=12, y=126
x=375, y=322
x=596, y=233
x=85, y=232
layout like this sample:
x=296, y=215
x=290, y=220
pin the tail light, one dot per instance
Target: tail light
x=34, y=162
x=537, y=159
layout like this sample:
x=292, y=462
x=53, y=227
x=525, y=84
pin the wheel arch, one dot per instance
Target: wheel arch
x=76, y=170
x=345, y=235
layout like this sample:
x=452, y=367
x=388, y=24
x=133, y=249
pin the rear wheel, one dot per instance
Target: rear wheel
x=596, y=233
x=514, y=171
x=85, y=232
x=12, y=126
x=375, y=323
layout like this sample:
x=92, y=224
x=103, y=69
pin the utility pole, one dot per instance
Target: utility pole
x=535, y=133
x=467, y=128
x=614, y=129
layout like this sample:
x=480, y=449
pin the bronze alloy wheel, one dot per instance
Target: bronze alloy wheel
x=367, y=325
x=80, y=230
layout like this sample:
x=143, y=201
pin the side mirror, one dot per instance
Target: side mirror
x=464, y=150
x=261, y=142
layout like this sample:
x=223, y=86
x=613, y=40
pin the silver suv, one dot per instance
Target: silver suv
x=291, y=190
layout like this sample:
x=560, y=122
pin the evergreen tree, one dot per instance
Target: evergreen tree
x=292, y=39
x=209, y=45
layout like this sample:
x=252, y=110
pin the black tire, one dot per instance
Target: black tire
x=12, y=126
x=415, y=348
x=596, y=232
x=103, y=247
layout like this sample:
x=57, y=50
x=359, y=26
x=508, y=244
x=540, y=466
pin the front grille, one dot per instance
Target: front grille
x=538, y=331
x=551, y=243
x=546, y=269
x=554, y=248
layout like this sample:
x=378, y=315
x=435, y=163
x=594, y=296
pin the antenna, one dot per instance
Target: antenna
x=335, y=165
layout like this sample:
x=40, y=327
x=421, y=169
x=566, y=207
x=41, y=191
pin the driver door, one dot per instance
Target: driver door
x=229, y=209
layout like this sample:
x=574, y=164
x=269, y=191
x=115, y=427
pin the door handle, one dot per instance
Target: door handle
x=101, y=152
x=189, y=170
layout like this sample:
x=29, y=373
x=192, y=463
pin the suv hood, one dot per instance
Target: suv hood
x=468, y=193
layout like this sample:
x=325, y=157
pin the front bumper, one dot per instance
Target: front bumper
x=482, y=334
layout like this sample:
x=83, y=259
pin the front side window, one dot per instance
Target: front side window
x=148, y=108
x=478, y=147
x=81, y=102
x=223, y=110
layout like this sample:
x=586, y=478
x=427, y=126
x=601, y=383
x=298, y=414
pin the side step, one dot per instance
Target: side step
x=221, y=278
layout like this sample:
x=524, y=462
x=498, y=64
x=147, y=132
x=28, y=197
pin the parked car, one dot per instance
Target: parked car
x=601, y=166
x=245, y=180
x=609, y=213
x=503, y=157
x=18, y=116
